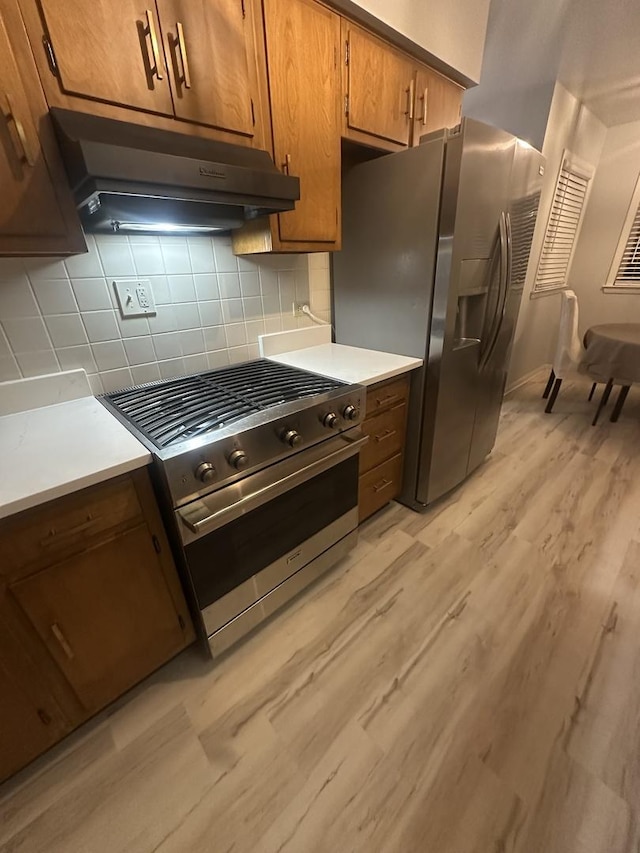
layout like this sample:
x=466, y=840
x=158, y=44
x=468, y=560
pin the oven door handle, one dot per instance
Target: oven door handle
x=273, y=490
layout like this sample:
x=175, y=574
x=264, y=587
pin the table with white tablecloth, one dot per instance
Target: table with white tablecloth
x=612, y=354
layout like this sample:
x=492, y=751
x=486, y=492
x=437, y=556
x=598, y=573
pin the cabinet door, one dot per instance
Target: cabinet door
x=207, y=46
x=28, y=726
x=303, y=41
x=380, y=88
x=30, y=718
x=36, y=215
x=110, y=50
x=438, y=103
x=106, y=615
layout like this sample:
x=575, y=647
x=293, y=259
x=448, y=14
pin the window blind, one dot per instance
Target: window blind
x=565, y=217
x=629, y=268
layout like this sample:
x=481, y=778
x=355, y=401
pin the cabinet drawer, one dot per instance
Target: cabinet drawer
x=387, y=394
x=386, y=436
x=66, y=526
x=379, y=486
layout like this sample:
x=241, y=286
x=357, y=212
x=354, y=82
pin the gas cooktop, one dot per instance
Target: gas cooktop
x=208, y=429
x=172, y=411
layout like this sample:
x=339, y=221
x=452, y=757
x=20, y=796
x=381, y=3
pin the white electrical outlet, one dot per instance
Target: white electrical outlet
x=135, y=297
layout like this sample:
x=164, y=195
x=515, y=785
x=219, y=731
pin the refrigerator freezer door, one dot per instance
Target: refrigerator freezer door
x=475, y=199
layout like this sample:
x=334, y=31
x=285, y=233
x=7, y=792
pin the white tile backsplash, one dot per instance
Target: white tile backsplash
x=211, y=307
x=66, y=330
x=92, y=294
x=147, y=258
x=27, y=334
x=17, y=299
x=54, y=296
x=87, y=265
x=101, y=325
x=116, y=257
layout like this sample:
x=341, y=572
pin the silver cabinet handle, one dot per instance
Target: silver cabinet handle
x=23, y=152
x=151, y=32
x=186, y=76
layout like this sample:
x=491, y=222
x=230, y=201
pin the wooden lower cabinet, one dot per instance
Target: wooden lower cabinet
x=90, y=597
x=381, y=459
x=31, y=719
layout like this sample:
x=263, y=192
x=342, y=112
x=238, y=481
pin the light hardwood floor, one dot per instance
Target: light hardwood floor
x=468, y=681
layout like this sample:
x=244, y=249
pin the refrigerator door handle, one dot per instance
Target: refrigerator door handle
x=503, y=291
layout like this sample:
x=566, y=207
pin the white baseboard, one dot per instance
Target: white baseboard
x=541, y=372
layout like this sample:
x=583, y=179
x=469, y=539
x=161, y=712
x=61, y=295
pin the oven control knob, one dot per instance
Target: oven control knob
x=351, y=412
x=205, y=472
x=330, y=420
x=292, y=438
x=238, y=459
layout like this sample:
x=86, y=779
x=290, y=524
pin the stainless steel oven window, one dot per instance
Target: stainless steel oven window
x=229, y=555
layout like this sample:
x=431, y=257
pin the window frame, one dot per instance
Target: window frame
x=575, y=165
x=633, y=212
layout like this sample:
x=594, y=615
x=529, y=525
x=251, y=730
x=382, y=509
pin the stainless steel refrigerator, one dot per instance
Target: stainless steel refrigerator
x=436, y=241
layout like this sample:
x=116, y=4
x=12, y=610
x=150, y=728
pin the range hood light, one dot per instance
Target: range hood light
x=164, y=227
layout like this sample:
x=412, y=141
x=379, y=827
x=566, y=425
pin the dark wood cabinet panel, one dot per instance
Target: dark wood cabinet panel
x=37, y=214
x=382, y=458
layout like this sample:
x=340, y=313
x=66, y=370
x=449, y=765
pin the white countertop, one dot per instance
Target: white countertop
x=53, y=450
x=349, y=364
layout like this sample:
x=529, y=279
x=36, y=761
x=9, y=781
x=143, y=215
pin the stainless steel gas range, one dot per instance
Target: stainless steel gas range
x=257, y=469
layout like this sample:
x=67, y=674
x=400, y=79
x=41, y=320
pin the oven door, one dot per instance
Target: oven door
x=245, y=540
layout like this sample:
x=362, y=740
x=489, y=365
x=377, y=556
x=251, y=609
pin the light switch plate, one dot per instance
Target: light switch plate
x=135, y=297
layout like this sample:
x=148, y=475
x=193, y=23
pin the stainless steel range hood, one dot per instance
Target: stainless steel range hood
x=129, y=178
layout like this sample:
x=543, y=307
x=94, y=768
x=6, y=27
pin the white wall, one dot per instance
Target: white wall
x=606, y=211
x=571, y=126
x=521, y=60
x=454, y=31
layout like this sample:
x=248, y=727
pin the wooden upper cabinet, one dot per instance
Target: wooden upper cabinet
x=303, y=44
x=199, y=61
x=207, y=46
x=379, y=90
x=37, y=213
x=438, y=103
x=109, y=50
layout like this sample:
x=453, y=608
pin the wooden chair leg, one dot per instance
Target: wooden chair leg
x=617, y=409
x=593, y=391
x=549, y=385
x=603, y=401
x=554, y=394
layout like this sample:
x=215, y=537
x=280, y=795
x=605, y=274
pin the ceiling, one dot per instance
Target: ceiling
x=599, y=58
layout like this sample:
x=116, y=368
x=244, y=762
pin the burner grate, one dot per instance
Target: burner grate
x=175, y=410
